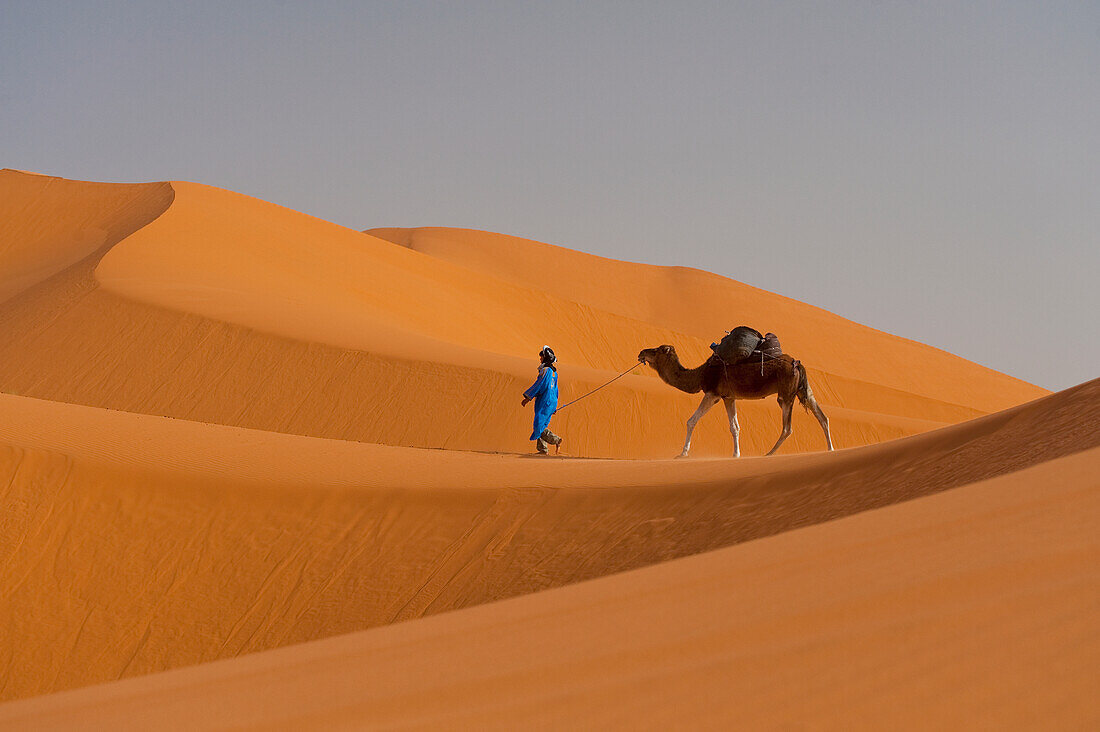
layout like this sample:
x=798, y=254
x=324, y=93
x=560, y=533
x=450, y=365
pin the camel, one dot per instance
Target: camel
x=751, y=379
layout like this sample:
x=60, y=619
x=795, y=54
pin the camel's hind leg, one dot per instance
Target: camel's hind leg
x=787, y=407
x=821, y=420
x=735, y=428
x=709, y=400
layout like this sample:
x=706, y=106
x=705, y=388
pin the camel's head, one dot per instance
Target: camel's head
x=652, y=356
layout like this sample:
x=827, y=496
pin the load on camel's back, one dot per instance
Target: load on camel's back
x=741, y=343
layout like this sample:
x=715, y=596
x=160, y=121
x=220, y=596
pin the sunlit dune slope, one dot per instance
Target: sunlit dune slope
x=225, y=309
x=854, y=358
x=978, y=607
x=131, y=543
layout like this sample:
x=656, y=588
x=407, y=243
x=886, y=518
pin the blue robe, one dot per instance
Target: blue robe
x=545, y=393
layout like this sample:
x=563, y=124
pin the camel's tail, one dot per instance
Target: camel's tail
x=802, y=391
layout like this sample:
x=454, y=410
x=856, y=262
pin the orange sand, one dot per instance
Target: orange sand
x=972, y=608
x=212, y=441
x=136, y=543
x=230, y=310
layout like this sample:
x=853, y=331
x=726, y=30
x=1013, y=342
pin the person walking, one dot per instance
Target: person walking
x=544, y=392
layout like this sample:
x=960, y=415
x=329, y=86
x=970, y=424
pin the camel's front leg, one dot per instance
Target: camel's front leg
x=786, y=406
x=735, y=428
x=709, y=400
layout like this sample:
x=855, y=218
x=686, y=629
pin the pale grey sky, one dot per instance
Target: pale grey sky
x=929, y=169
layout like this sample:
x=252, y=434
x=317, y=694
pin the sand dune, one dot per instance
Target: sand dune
x=49, y=224
x=853, y=358
x=977, y=606
x=139, y=543
x=231, y=310
x=214, y=429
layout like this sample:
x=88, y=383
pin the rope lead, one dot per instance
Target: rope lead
x=598, y=388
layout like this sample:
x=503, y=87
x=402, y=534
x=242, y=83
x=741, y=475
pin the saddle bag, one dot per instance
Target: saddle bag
x=738, y=344
x=770, y=346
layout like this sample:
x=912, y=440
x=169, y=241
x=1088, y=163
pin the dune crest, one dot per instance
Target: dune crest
x=49, y=224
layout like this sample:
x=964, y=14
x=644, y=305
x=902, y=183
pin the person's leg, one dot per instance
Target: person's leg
x=546, y=439
x=551, y=438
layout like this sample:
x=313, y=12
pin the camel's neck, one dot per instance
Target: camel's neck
x=673, y=373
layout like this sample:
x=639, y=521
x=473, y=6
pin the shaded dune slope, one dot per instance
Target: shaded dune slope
x=216, y=307
x=135, y=544
x=49, y=224
x=974, y=607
